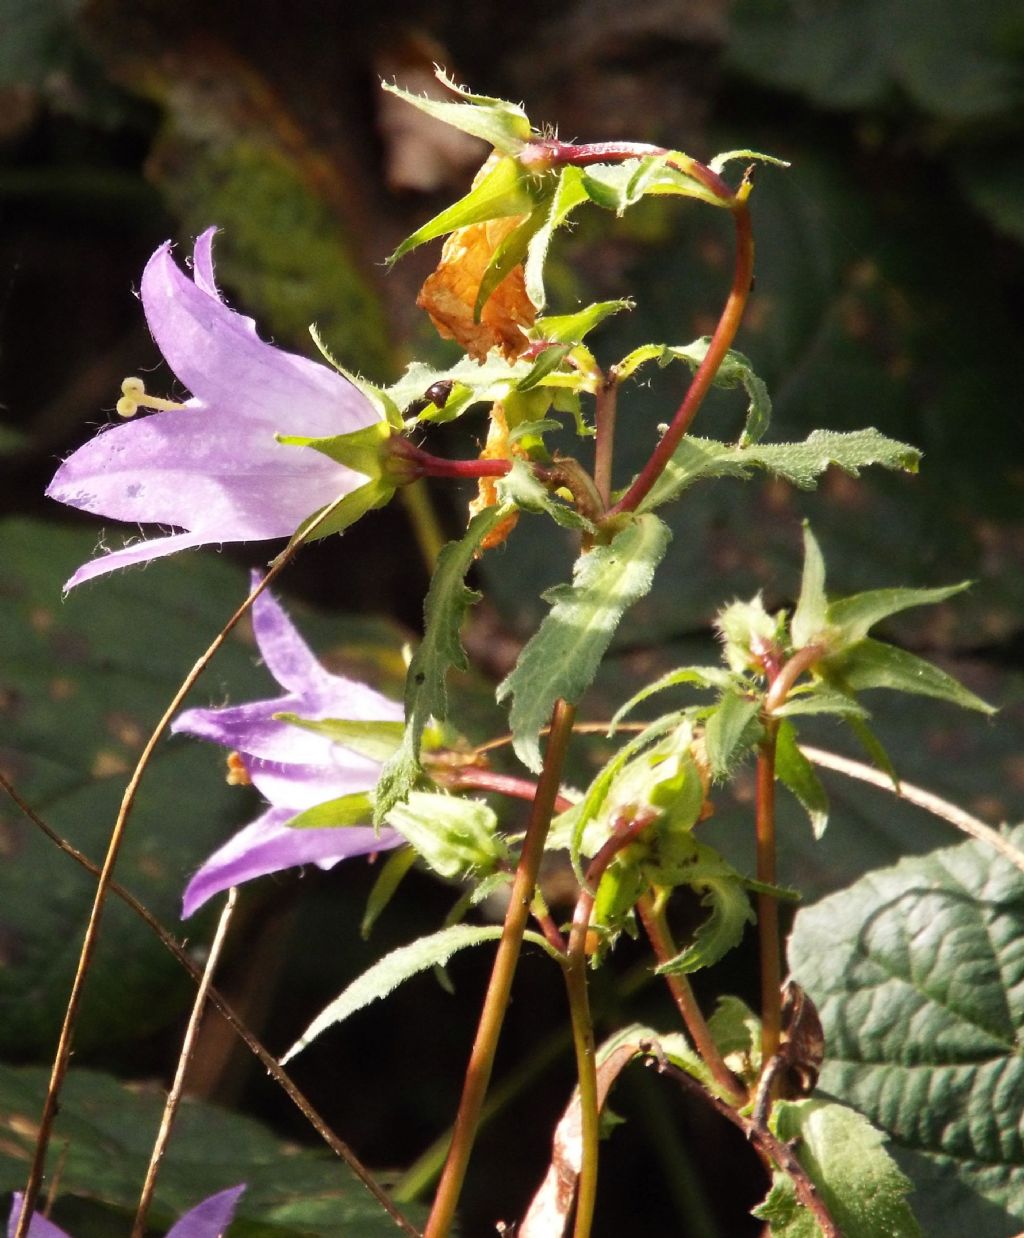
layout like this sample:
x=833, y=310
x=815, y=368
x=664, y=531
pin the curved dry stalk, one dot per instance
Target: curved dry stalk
x=188, y=1044
x=62, y=1057
x=927, y=800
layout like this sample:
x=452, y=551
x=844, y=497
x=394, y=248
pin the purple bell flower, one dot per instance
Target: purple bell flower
x=210, y=1219
x=212, y=465
x=293, y=768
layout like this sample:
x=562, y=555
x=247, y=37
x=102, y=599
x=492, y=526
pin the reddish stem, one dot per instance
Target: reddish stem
x=412, y=462
x=767, y=907
x=551, y=153
x=475, y=779
x=720, y=344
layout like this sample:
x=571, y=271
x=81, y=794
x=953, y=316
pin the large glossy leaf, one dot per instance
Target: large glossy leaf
x=103, y=1138
x=918, y=973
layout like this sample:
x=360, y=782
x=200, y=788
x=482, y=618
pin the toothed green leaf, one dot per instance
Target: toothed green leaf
x=874, y=664
x=794, y=771
x=731, y=731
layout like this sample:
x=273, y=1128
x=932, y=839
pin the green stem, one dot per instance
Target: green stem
x=652, y=916
x=720, y=344
x=426, y=527
x=481, y=1060
x=767, y=907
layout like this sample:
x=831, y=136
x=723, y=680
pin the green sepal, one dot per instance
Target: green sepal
x=747, y=629
x=810, y=618
x=353, y=809
x=874, y=664
x=547, y=362
x=360, y=450
x=503, y=191
x=353, y=507
x=426, y=695
x=510, y=253
x=731, y=731
x=504, y=125
x=801, y=464
x=457, y=838
x=796, y=773
x=845, y=1157
x=375, y=740
x=392, y=873
x=618, y=186
x=730, y=156
x=377, y=396
x=734, y=371
x=389, y=972
x=562, y=657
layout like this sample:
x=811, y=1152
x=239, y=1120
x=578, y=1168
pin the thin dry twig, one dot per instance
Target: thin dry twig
x=927, y=800
x=188, y=1044
x=227, y=1012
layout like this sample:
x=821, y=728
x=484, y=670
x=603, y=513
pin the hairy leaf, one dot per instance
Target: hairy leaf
x=860, y=1184
x=730, y=731
x=810, y=616
x=456, y=837
x=519, y=486
x=389, y=972
x=725, y=894
x=799, y=463
x=505, y=125
x=426, y=695
x=918, y=974
x=562, y=657
x=700, y=676
x=794, y=771
x=854, y=616
x=874, y=664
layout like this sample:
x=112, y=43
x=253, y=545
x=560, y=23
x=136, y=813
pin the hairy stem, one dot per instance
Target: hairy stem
x=178, y=1084
x=492, y=1015
x=767, y=907
x=62, y=1057
x=652, y=915
x=720, y=344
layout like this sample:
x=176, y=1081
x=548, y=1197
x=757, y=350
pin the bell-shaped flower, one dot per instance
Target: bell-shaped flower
x=214, y=466
x=293, y=767
x=210, y=1219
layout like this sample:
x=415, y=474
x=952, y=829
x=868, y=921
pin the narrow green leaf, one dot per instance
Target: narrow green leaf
x=354, y=809
x=548, y=361
x=505, y=125
x=799, y=463
x=722, y=931
x=574, y=328
x=562, y=657
x=700, y=676
x=819, y=698
x=570, y=192
x=854, y=616
x=731, y=731
x=376, y=740
x=845, y=1157
x=502, y=192
x=618, y=186
x=874, y=748
x=730, y=156
x=392, y=873
x=794, y=771
x=811, y=613
x=874, y=664
x=510, y=253
x=425, y=693
x=389, y=972
x=353, y=507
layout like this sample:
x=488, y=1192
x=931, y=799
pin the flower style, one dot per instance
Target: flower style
x=293, y=768
x=213, y=466
x=209, y=1219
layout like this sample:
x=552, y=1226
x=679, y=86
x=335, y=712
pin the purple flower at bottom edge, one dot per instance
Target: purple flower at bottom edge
x=209, y=1219
x=212, y=466
x=293, y=768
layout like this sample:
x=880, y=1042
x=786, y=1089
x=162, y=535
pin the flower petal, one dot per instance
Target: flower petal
x=137, y=552
x=210, y=1218
x=287, y=656
x=211, y=472
x=39, y=1226
x=269, y=846
x=299, y=787
x=219, y=357
x=202, y=263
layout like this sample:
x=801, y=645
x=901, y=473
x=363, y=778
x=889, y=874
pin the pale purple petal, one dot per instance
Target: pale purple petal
x=302, y=786
x=137, y=552
x=202, y=263
x=211, y=471
x=40, y=1227
x=269, y=846
x=218, y=356
x=210, y=1218
x=286, y=655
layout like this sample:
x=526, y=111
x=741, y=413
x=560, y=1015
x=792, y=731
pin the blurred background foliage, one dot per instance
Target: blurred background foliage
x=890, y=280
